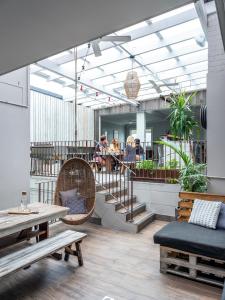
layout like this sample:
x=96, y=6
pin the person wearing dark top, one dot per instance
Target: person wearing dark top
x=130, y=150
x=139, y=150
x=100, y=148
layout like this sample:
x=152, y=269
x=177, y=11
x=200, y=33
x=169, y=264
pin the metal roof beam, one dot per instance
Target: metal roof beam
x=51, y=66
x=138, y=33
x=202, y=14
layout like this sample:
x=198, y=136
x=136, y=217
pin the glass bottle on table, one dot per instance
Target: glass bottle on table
x=23, y=201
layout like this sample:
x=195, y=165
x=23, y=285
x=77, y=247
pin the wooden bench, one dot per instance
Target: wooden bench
x=23, y=258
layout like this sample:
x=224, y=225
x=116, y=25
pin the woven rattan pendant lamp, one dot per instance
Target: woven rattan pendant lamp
x=132, y=84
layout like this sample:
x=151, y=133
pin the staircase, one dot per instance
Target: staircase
x=114, y=206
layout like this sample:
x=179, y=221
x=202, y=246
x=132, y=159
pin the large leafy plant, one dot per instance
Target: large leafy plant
x=192, y=176
x=182, y=121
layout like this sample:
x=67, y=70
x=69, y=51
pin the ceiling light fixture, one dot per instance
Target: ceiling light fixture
x=132, y=83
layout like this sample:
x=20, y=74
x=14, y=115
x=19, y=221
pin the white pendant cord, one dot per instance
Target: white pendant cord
x=75, y=91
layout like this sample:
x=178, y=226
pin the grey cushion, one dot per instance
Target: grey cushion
x=66, y=195
x=205, y=213
x=221, y=219
x=75, y=202
x=192, y=238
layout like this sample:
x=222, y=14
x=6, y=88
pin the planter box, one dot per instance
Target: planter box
x=156, y=175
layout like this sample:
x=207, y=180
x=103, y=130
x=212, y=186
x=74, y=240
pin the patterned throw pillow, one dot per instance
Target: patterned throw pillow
x=75, y=202
x=205, y=213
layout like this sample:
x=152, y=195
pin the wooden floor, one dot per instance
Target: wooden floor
x=119, y=265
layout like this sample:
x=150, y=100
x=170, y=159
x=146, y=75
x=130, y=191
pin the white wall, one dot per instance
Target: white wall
x=216, y=108
x=14, y=136
x=53, y=119
x=160, y=198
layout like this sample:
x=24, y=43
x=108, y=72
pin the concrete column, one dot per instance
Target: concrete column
x=141, y=125
x=216, y=108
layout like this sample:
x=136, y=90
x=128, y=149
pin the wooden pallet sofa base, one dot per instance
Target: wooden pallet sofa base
x=23, y=258
x=190, y=250
x=192, y=266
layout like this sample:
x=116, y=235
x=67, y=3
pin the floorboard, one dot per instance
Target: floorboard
x=119, y=265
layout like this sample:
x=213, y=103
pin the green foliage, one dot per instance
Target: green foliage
x=182, y=121
x=146, y=165
x=186, y=159
x=172, y=180
x=172, y=164
x=193, y=178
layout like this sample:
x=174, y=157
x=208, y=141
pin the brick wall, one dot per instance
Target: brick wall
x=215, y=108
x=215, y=45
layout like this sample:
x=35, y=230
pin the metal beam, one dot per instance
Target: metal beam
x=201, y=11
x=221, y=16
x=51, y=66
x=164, y=70
x=139, y=33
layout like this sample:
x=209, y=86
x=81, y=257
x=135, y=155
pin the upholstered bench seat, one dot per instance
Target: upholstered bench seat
x=192, y=238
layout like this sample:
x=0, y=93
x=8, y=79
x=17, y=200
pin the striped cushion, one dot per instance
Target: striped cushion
x=205, y=213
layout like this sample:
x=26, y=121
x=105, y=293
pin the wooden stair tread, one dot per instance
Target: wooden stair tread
x=126, y=209
x=142, y=217
x=112, y=190
x=120, y=199
x=27, y=256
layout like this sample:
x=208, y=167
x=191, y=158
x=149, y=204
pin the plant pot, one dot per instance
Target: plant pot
x=155, y=175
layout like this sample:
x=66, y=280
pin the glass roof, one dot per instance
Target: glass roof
x=168, y=49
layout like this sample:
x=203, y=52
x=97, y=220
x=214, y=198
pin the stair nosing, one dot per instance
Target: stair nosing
x=140, y=221
x=139, y=205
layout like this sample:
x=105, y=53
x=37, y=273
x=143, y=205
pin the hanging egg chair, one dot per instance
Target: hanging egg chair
x=76, y=174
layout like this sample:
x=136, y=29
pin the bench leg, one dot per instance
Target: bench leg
x=67, y=253
x=79, y=253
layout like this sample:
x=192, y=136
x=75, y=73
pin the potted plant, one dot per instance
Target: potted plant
x=182, y=121
x=149, y=171
x=192, y=176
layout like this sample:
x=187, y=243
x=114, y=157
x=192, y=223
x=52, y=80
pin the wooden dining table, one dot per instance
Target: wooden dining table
x=109, y=157
x=16, y=227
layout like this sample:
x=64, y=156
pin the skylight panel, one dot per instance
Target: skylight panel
x=172, y=13
x=192, y=26
x=142, y=44
x=131, y=28
x=155, y=55
x=194, y=57
x=61, y=54
x=164, y=65
x=189, y=45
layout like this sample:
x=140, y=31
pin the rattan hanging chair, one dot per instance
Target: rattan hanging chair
x=76, y=173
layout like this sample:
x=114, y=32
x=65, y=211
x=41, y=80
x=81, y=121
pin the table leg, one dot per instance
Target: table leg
x=44, y=227
x=108, y=164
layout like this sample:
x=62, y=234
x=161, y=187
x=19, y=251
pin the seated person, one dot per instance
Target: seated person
x=130, y=150
x=139, y=150
x=100, y=148
x=115, y=147
x=115, y=150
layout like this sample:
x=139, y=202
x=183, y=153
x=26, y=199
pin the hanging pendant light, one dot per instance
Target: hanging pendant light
x=132, y=84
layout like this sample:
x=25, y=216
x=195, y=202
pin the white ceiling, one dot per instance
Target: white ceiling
x=31, y=30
